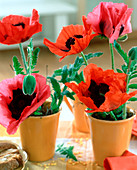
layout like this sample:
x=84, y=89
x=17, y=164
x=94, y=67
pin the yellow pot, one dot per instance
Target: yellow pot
x=81, y=120
x=38, y=136
x=110, y=138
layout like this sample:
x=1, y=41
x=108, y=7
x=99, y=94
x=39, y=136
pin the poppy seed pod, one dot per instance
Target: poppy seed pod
x=29, y=84
x=19, y=106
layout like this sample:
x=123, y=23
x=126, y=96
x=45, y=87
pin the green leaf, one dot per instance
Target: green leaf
x=133, y=76
x=123, y=38
x=133, y=99
x=81, y=76
x=55, y=85
x=17, y=66
x=121, y=52
x=57, y=72
x=118, y=110
x=119, y=71
x=68, y=94
x=92, y=55
x=133, y=53
x=35, y=71
x=124, y=68
x=134, y=72
x=132, y=86
x=78, y=63
x=68, y=151
x=36, y=113
x=77, y=78
x=59, y=147
x=35, y=57
x=60, y=100
x=65, y=88
x=54, y=106
x=64, y=74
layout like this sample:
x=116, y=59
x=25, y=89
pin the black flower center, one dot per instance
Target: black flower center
x=5, y=36
x=78, y=36
x=19, y=102
x=121, y=29
x=20, y=24
x=71, y=41
x=101, y=26
x=97, y=92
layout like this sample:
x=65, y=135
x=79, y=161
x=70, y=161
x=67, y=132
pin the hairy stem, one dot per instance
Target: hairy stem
x=84, y=58
x=30, y=60
x=112, y=55
x=124, y=115
x=23, y=56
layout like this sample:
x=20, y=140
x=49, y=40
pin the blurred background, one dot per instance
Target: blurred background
x=53, y=15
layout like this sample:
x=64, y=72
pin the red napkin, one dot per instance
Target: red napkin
x=134, y=129
x=128, y=161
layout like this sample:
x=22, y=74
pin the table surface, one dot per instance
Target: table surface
x=68, y=135
x=82, y=150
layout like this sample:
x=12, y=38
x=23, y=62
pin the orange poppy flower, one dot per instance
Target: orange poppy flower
x=102, y=91
x=16, y=29
x=71, y=40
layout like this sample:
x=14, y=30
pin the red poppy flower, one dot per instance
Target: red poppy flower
x=110, y=19
x=16, y=29
x=71, y=40
x=15, y=107
x=102, y=91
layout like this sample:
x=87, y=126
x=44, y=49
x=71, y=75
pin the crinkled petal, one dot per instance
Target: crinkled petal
x=17, y=29
x=6, y=96
x=72, y=31
x=110, y=19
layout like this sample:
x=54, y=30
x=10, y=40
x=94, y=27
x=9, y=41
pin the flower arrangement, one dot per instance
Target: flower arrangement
x=26, y=93
x=105, y=93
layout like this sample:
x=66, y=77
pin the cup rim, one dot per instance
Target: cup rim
x=111, y=121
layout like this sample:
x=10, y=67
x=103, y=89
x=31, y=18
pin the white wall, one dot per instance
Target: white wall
x=84, y=7
x=92, y=3
x=134, y=15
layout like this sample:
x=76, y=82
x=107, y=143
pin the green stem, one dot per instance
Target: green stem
x=30, y=60
x=112, y=115
x=124, y=115
x=23, y=56
x=112, y=55
x=84, y=58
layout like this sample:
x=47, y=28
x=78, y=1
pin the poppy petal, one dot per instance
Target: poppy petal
x=71, y=40
x=17, y=29
x=6, y=97
x=102, y=91
x=110, y=19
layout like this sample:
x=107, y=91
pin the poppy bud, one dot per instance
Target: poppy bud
x=29, y=84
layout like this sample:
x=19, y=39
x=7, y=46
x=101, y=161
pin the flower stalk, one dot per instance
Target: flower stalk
x=124, y=115
x=30, y=60
x=112, y=55
x=84, y=58
x=23, y=56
